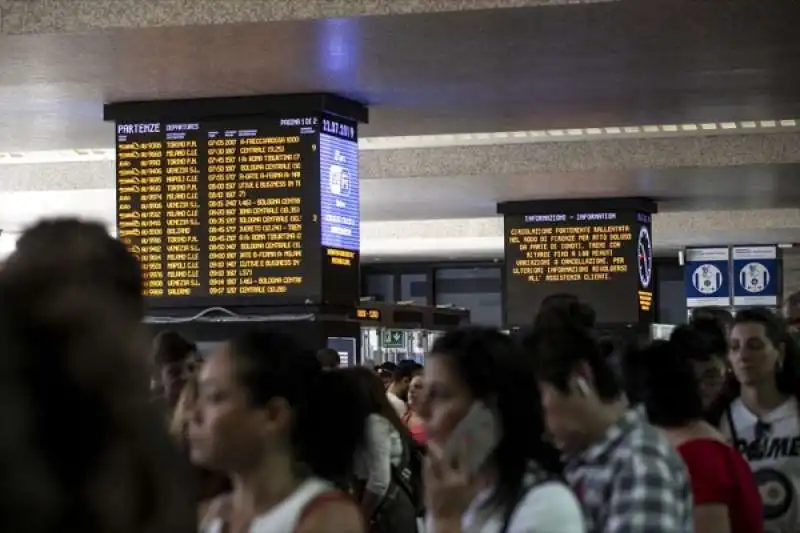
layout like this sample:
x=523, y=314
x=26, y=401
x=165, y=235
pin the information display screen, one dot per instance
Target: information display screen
x=605, y=259
x=242, y=211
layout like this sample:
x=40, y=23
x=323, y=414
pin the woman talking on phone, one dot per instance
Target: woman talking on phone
x=488, y=469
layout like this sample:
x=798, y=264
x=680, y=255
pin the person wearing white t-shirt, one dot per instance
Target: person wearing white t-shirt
x=517, y=489
x=397, y=392
x=759, y=412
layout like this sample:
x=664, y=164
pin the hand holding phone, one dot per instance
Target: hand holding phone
x=474, y=439
x=450, y=470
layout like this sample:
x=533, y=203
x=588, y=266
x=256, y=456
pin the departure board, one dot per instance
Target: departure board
x=603, y=258
x=254, y=211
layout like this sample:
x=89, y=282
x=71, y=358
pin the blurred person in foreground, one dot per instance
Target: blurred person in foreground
x=67, y=251
x=264, y=416
x=626, y=474
x=661, y=378
x=82, y=447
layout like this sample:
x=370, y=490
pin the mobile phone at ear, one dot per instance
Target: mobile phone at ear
x=476, y=436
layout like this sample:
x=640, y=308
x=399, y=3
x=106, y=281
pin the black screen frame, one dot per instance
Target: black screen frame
x=522, y=299
x=324, y=283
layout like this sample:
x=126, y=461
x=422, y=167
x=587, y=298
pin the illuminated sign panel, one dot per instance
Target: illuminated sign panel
x=604, y=258
x=232, y=213
x=339, y=192
x=368, y=314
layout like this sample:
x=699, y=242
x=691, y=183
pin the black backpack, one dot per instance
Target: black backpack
x=408, y=474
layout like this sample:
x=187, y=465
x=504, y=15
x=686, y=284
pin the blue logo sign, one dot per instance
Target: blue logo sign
x=756, y=271
x=340, y=211
x=706, y=277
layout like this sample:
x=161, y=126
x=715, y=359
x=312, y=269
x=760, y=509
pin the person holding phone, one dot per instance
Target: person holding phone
x=488, y=470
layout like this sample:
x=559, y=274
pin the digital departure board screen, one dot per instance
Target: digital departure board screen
x=604, y=258
x=246, y=211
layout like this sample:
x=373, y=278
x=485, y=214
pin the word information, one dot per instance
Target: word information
x=569, y=253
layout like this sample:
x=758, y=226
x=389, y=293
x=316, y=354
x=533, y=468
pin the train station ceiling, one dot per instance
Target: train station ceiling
x=433, y=70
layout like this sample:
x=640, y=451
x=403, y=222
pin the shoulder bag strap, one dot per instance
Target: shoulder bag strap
x=731, y=426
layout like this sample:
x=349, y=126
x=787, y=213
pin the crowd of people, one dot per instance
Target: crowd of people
x=550, y=431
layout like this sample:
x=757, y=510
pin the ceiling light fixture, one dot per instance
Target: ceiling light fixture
x=464, y=139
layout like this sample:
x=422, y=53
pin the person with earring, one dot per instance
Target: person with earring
x=758, y=412
x=626, y=474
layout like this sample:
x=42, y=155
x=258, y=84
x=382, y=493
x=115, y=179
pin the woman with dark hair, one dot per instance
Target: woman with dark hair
x=722, y=317
x=703, y=342
x=383, y=472
x=61, y=250
x=264, y=416
x=622, y=469
x=517, y=488
x=660, y=377
x=82, y=448
x=758, y=411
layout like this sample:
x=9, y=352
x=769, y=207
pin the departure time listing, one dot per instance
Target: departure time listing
x=214, y=209
x=569, y=251
x=255, y=218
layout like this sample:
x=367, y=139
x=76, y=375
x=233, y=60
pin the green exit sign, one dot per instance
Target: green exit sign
x=393, y=338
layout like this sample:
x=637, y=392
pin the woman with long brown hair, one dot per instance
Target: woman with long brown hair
x=386, y=496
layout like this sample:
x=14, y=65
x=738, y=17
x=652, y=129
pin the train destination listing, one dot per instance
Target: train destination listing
x=216, y=208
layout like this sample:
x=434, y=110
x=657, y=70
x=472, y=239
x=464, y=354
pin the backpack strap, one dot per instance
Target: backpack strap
x=731, y=426
x=405, y=464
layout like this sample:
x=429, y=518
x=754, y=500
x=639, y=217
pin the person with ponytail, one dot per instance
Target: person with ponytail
x=758, y=411
x=626, y=474
x=660, y=378
x=264, y=416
